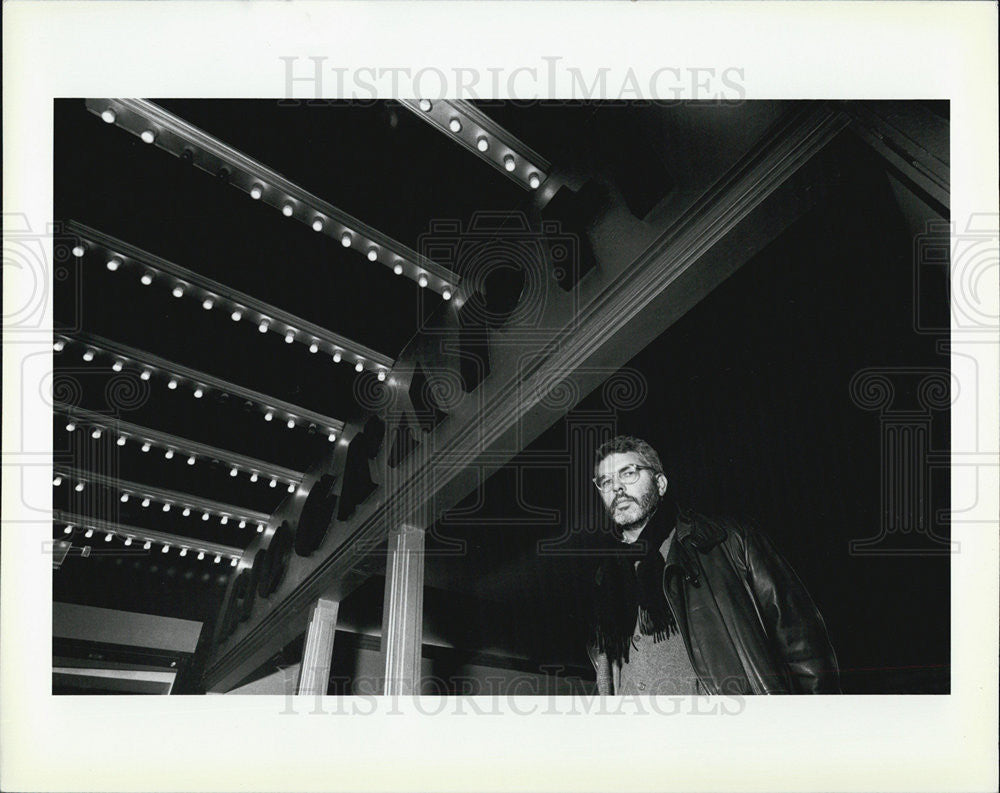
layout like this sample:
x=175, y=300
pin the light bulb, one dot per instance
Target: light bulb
x=89, y=533
x=317, y=225
x=256, y=192
x=165, y=549
x=290, y=424
x=70, y=427
x=236, y=316
x=534, y=180
x=88, y=356
x=381, y=375
x=186, y=511
x=289, y=336
x=108, y=116
x=146, y=447
x=291, y=487
x=254, y=477
x=113, y=263
x=425, y=104
x=198, y=393
x=217, y=559
x=207, y=304
x=166, y=508
x=446, y=293
x=78, y=251
x=121, y=440
x=56, y=481
x=273, y=483
x=59, y=345
x=204, y=516
x=372, y=255
x=455, y=125
x=172, y=383
x=234, y=471
x=508, y=163
x=337, y=357
x=397, y=268
x=146, y=374
x=169, y=454
x=79, y=487
x=146, y=279
x=184, y=552
x=314, y=347
x=422, y=280
x=178, y=291
x=234, y=562
x=68, y=530
x=108, y=536
x=128, y=541
x=224, y=520
x=191, y=460
x=117, y=366
x=148, y=136
x=331, y=437
x=96, y=433
x=145, y=502
x=124, y=498
x=482, y=144
x=345, y=240
x=201, y=554
x=269, y=415
x=263, y=326
x=359, y=367
x=287, y=210
x=243, y=524
x=260, y=528
x=147, y=545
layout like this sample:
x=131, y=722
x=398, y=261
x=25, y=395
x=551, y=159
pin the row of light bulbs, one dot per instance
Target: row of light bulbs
x=319, y=223
x=173, y=382
x=129, y=539
x=166, y=506
x=169, y=452
x=483, y=145
x=238, y=312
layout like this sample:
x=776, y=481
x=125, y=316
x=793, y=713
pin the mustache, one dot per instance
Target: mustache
x=622, y=499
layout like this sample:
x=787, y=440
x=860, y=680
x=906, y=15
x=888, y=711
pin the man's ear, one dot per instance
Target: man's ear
x=661, y=483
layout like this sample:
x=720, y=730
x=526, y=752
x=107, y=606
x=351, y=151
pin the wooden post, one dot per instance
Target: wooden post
x=317, y=655
x=403, y=612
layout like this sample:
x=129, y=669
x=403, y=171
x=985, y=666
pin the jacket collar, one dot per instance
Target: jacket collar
x=694, y=532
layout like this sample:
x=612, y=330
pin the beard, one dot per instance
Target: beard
x=636, y=511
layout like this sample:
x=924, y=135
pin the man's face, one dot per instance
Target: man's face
x=628, y=505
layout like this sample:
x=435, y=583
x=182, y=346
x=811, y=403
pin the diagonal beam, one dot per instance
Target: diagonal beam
x=149, y=364
x=153, y=124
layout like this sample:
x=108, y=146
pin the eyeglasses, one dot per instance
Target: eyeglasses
x=628, y=475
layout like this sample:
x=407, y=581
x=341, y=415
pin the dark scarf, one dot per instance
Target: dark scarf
x=624, y=588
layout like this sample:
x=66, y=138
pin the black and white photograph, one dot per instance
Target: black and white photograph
x=382, y=415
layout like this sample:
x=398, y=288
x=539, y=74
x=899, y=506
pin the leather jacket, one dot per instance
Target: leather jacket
x=747, y=621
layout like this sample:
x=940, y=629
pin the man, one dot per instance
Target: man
x=689, y=604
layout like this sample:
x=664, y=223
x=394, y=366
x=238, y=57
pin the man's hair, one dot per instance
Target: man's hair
x=626, y=443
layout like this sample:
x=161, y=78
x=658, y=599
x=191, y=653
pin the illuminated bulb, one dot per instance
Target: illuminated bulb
x=260, y=528
x=147, y=545
x=165, y=549
x=256, y=192
x=146, y=279
x=186, y=512
x=224, y=520
x=422, y=280
x=204, y=516
x=108, y=536
x=234, y=471
x=184, y=552
x=446, y=293
x=124, y=498
x=269, y=416
x=166, y=508
x=289, y=336
x=117, y=366
x=68, y=530
x=534, y=180
x=178, y=291
x=207, y=304
x=78, y=251
x=397, y=268
x=287, y=210
x=263, y=326
x=345, y=240
x=146, y=374
x=381, y=375
x=57, y=481
x=145, y=502
x=128, y=541
x=217, y=559
x=372, y=255
x=199, y=393
x=108, y=116
x=359, y=367
x=508, y=163
x=273, y=483
x=455, y=125
x=146, y=447
x=79, y=487
x=236, y=316
x=89, y=533
x=169, y=454
x=70, y=427
x=172, y=384
x=121, y=440
x=59, y=345
x=234, y=562
x=191, y=460
x=201, y=554
x=88, y=356
x=317, y=225
x=314, y=347
x=291, y=487
x=95, y=434
x=337, y=357
x=148, y=136
x=243, y=524
x=482, y=144
x=254, y=477
x=425, y=104
x=290, y=424
x=331, y=437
